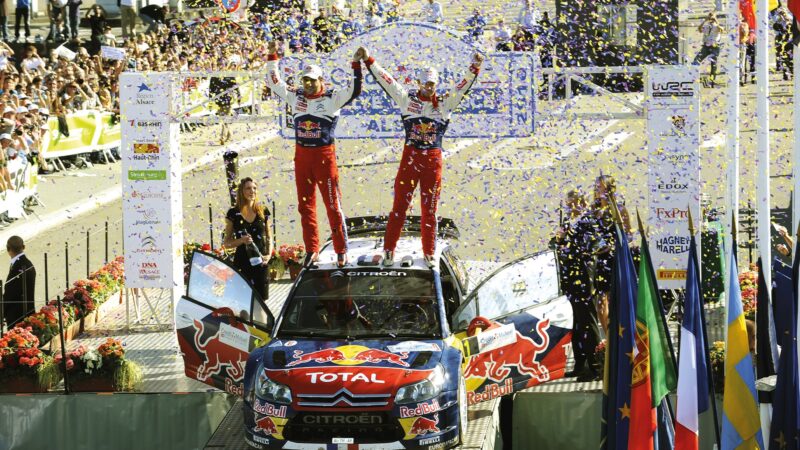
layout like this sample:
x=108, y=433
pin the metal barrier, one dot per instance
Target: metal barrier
x=568, y=75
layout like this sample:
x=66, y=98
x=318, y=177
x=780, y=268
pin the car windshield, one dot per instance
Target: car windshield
x=363, y=303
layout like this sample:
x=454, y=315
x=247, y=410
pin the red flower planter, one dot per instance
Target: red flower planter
x=294, y=271
x=21, y=385
x=92, y=384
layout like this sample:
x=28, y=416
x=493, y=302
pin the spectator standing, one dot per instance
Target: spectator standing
x=18, y=292
x=712, y=32
x=503, y=37
x=527, y=17
x=127, y=10
x=352, y=26
x=783, y=42
x=4, y=18
x=22, y=13
x=323, y=29
x=573, y=259
x=433, y=12
x=153, y=16
x=475, y=25
x=247, y=225
x=744, y=38
x=600, y=241
x=96, y=16
x=74, y=17
x=55, y=12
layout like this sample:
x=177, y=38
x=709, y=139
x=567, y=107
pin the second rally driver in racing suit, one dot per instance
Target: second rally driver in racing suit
x=315, y=111
x=425, y=119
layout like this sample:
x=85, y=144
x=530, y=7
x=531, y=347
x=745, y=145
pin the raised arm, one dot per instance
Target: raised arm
x=342, y=97
x=274, y=80
x=385, y=80
x=451, y=102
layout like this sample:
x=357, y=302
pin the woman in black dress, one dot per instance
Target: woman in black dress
x=248, y=223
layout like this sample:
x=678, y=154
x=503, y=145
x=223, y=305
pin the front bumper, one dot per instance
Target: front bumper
x=438, y=430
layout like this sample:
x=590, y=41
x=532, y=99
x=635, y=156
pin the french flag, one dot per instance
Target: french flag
x=692, y=363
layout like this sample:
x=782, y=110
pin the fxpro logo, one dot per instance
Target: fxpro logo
x=673, y=89
x=672, y=214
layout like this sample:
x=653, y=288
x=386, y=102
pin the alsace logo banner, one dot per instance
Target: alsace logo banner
x=673, y=142
x=499, y=105
x=150, y=213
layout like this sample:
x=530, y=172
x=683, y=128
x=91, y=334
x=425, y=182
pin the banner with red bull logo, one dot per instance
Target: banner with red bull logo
x=501, y=103
x=673, y=144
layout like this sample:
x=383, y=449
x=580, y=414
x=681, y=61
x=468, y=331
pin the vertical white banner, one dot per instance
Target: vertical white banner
x=151, y=184
x=673, y=143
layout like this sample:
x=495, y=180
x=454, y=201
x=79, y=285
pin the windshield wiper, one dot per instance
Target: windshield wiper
x=291, y=334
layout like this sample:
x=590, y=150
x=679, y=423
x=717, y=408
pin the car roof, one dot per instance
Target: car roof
x=369, y=246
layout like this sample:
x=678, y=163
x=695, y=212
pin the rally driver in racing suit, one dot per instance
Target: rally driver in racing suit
x=315, y=112
x=425, y=119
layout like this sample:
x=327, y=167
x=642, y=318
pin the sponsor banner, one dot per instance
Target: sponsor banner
x=151, y=189
x=673, y=142
x=499, y=105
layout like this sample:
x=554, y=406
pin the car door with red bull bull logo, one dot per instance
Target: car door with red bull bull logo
x=516, y=328
x=219, y=321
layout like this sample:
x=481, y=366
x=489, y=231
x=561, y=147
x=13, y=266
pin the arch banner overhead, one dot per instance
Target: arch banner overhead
x=500, y=105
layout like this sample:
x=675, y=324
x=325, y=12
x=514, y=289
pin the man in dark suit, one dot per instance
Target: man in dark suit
x=20, y=283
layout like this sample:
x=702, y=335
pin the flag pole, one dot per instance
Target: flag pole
x=672, y=353
x=762, y=162
x=796, y=150
x=661, y=311
x=732, y=132
x=707, y=356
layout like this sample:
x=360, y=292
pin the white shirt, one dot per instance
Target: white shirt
x=711, y=34
x=433, y=12
x=14, y=259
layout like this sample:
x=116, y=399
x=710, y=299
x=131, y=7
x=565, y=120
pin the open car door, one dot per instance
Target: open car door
x=516, y=328
x=220, y=320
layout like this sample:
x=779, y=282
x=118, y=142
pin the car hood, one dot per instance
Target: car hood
x=318, y=367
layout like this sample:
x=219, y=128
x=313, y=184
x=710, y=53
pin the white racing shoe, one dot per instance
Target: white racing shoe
x=388, y=258
x=430, y=260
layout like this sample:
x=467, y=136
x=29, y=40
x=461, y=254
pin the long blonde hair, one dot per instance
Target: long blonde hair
x=241, y=201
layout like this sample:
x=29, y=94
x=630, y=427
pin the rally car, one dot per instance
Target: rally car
x=374, y=357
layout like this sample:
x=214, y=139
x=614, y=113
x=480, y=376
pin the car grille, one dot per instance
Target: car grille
x=343, y=398
x=365, y=428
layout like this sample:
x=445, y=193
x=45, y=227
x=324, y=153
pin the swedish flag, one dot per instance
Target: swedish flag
x=741, y=425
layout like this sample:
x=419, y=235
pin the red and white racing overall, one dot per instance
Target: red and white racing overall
x=425, y=121
x=315, y=118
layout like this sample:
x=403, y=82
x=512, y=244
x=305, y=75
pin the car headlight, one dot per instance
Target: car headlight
x=272, y=391
x=422, y=390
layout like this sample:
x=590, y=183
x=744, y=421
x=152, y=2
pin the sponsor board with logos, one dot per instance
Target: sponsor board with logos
x=673, y=141
x=151, y=190
x=501, y=102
